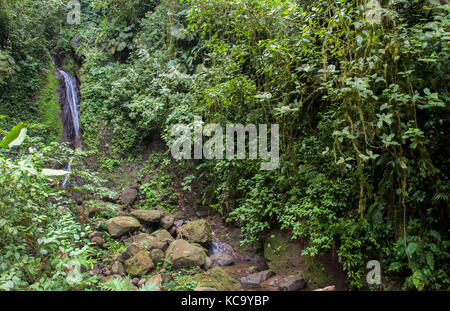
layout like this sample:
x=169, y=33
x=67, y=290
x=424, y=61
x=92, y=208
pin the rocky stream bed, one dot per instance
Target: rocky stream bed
x=159, y=247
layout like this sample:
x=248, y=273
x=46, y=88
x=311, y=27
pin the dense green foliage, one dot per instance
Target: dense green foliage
x=362, y=107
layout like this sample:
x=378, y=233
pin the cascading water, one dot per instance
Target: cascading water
x=70, y=114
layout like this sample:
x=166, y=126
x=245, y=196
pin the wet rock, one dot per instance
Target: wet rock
x=167, y=221
x=216, y=278
x=139, y=265
x=117, y=268
x=198, y=231
x=256, y=278
x=118, y=226
x=182, y=254
x=147, y=217
x=222, y=259
x=291, y=283
x=128, y=196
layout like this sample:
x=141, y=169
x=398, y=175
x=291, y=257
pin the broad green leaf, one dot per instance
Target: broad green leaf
x=50, y=172
x=19, y=140
x=411, y=248
x=12, y=135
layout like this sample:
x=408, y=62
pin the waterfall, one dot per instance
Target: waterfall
x=70, y=118
x=72, y=99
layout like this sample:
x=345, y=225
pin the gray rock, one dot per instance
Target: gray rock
x=182, y=254
x=118, y=226
x=141, y=240
x=139, y=264
x=117, y=268
x=129, y=252
x=222, y=259
x=147, y=217
x=198, y=231
x=156, y=255
x=291, y=283
x=256, y=278
x=167, y=221
x=128, y=196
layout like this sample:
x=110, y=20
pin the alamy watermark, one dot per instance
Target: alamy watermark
x=74, y=14
x=236, y=136
x=374, y=275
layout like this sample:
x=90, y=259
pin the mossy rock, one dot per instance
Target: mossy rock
x=284, y=257
x=282, y=254
x=315, y=273
x=198, y=231
x=216, y=278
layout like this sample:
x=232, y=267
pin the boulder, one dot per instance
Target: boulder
x=182, y=254
x=155, y=279
x=118, y=226
x=167, y=222
x=117, y=268
x=129, y=252
x=256, y=278
x=128, y=196
x=139, y=265
x=162, y=236
x=156, y=255
x=159, y=239
x=141, y=240
x=147, y=217
x=198, y=231
x=222, y=259
x=157, y=245
x=216, y=278
x=291, y=283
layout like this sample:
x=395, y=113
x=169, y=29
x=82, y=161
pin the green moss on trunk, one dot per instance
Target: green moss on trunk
x=49, y=108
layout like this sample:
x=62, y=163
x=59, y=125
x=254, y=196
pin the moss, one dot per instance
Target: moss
x=315, y=273
x=282, y=255
x=49, y=108
x=216, y=278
